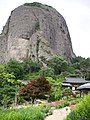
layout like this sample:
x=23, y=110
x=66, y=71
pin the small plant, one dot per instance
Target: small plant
x=66, y=109
x=37, y=25
x=59, y=106
x=66, y=103
x=67, y=90
x=37, y=46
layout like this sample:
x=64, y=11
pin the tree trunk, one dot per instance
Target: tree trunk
x=33, y=100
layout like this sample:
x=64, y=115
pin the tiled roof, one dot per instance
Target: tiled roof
x=75, y=80
x=84, y=86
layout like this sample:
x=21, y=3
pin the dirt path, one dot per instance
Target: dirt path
x=59, y=114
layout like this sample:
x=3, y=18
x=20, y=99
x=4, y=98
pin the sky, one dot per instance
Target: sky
x=75, y=12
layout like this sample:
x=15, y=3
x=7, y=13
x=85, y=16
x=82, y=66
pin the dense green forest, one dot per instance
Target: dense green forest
x=14, y=75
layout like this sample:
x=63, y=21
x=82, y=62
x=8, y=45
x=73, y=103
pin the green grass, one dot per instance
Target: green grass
x=29, y=113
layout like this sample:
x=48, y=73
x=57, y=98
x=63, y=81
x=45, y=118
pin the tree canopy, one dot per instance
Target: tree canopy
x=36, y=89
x=58, y=64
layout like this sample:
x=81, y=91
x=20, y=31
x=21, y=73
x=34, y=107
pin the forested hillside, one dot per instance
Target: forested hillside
x=14, y=75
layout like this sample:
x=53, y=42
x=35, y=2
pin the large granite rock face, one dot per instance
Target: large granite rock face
x=37, y=31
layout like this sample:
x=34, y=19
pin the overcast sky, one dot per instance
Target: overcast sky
x=75, y=12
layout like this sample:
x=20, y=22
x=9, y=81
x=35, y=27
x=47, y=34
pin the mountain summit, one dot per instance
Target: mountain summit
x=37, y=31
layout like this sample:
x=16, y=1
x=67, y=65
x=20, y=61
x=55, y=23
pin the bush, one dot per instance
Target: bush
x=73, y=116
x=84, y=107
x=67, y=90
x=66, y=103
x=62, y=105
x=82, y=110
x=37, y=25
x=30, y=113
x=59, y=106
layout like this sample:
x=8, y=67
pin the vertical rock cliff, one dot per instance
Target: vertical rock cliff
x=37, y=31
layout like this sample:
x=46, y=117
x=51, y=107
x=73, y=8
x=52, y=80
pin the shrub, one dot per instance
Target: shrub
x=82, y=110
x=59, y=106
x=37, y=25
x=67, y=90
x=73, y=116
x=66, y=103
x=30, y=113
x=84, y=107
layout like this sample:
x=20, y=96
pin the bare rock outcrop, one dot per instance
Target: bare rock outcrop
x=37, y=31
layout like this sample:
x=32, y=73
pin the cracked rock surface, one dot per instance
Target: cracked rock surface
x=37, y=32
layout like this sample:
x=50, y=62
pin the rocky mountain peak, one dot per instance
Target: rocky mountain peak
x=37, y=31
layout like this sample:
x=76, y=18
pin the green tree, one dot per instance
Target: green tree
x=16, y=68
x=82, y=66
x=47, y=72
x=31, y=66
x=8, y=87
x=56, y=92
x=58, y=64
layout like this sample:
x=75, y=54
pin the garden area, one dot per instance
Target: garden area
x=73, y=108
x=30, y=88
x=81, y=111
x=25, y=113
